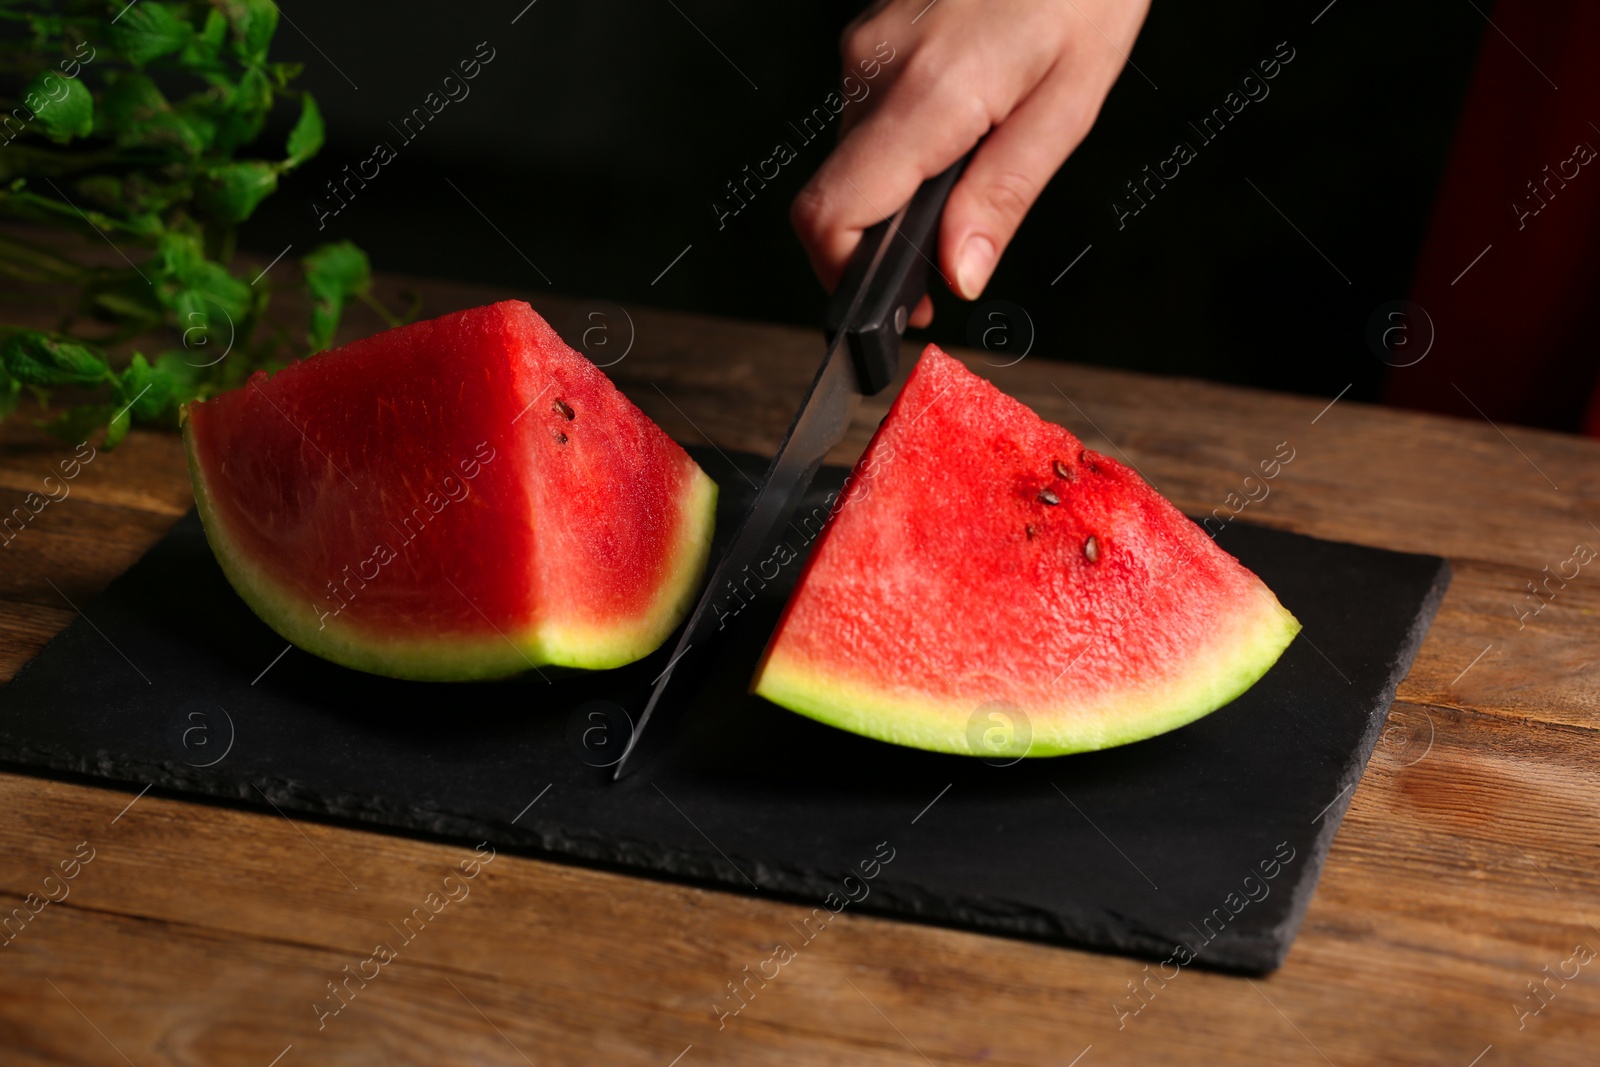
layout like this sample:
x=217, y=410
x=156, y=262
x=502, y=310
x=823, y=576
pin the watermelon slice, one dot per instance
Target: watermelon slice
x=461, y=498
x=988, y=586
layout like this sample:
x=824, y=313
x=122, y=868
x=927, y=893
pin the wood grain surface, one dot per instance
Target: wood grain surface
x=1464, y=875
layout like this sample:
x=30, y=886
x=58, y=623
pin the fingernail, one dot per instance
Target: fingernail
x=974, y=265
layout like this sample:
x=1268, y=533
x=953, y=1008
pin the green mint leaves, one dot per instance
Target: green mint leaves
x=142, y=125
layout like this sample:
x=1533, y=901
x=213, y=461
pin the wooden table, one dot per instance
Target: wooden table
x=1465, y=870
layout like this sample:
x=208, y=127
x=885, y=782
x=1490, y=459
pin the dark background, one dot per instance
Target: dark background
x=598, y=137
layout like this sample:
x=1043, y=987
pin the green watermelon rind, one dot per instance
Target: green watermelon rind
x=1221, y=672
x=604, y=649
x=475, y=658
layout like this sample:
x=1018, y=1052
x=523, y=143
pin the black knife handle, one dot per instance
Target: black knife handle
x=886, y=277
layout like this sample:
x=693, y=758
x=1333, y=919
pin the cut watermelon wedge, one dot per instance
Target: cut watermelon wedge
x=461, y=498
x=988, y=586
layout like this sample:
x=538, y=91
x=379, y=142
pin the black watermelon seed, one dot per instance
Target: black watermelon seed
x=560, y=408
x=1048, y=497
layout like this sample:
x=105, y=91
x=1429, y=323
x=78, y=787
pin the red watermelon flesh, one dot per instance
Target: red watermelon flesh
x=989, y=586
x=460, y=498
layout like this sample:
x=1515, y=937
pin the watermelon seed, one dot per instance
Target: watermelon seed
x=1091, y=549
x=560, y=408
x=561, y=438
x=1048, y=497
x=1064, y=471
x=1030, y=531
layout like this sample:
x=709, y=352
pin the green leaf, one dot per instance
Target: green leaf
x=76, y=424
x=178, y=131
x=129, y=102
x=35, y=358
x=334, y=273
x=305, y=140
x=145, y=224
x=199, y=119
x=134, y=113
x=206, y=302
x=197, y=291
x=121, y=423
x=254, y=22
x=284, y=73
x=65, y=106
x=231, y=191
x=149, y=30
x=209, y=329
x=339, y=264
x=147, y=390
x=138, y=195
x=178, y=257
x=205, y=48
x=180, y=367
x=247, y=104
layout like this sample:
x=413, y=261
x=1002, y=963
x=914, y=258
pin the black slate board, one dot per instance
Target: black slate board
x=1139, y=849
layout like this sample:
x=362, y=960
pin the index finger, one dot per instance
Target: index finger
x=913, y=135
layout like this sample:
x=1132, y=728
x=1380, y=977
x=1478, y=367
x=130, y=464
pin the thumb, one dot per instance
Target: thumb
x=1006, y=175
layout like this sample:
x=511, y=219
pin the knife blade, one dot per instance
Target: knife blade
x=886, y=277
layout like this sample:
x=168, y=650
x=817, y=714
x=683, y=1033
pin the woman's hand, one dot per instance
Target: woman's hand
x=1031, y=74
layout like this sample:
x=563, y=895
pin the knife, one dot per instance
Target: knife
x=886, y=277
